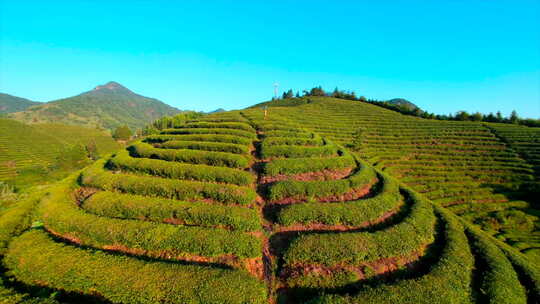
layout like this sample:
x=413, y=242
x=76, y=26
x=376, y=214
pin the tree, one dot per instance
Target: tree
x=297, y=94
x=477, y=116
x=499, y=116
x=317, y=91
x=122, y=133
x=289, y=94
x=514, y=118
x=462, y=116
x=92, y=150
x=362, y=99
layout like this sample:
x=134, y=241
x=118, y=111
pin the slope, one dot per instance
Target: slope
x=33, y=149
x=107, y=106
x=464, y=166
x=181, y=217
x=10, y=103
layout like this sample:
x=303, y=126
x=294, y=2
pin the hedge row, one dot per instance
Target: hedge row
x=352, y=213
x=307, y=164
x=221, y=125
x=528, y=268
x=499, y=281
x=268, y=151
x=16, y=219
x=128, y=206
x=123, y=161
x=206, y=146
x=355, y=248
x=221, y=159
x=241, y=133
x=448, y=280
x=61, y=215
x=273, y=141
x=290, y=134
x=320, y=189
x=35, y=259
x=96, y=176
x=199, y=137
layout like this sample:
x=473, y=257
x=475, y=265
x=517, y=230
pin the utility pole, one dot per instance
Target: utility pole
x=276, y=86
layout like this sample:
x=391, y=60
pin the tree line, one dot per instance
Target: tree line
x=458, y=116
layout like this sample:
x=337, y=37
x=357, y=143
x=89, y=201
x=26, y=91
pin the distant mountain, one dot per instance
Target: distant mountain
x=219, y=110
x=107, y=106
x=10, y=103
x=403, y=103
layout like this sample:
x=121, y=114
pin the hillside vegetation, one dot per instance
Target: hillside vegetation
x=107, y=106
x=239, y=207
x=471, y=168
x=10, y=104
x=31, y=153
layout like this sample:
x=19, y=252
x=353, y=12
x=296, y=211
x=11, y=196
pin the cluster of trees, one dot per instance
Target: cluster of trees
x=167, y=122
x=459, y=116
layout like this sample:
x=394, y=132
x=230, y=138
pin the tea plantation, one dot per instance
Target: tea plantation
x=331, y=201
x=29, y=152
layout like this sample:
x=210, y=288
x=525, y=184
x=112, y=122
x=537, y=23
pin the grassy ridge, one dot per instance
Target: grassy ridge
x=222, y=159
x=354, y=248
x=127, y=206
x=160, y=138
x=122, y=279
x=351, y=213
x=321, y=189
x=123, y=161
x=64, y=217
x=96, y=176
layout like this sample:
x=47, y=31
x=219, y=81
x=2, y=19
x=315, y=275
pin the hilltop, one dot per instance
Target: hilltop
x=10, y=103
x=401, y=102
x=107, y=106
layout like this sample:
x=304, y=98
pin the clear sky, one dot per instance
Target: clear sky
x=443, y=55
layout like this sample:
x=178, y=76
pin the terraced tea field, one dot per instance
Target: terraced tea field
x=482, y=172
x=241, y=208
x=24, y=147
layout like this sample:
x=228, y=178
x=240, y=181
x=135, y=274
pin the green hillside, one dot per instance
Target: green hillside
x=465, y=166
x=295, y=206
x=10, y=104
x=29, y=153
x=107, y=106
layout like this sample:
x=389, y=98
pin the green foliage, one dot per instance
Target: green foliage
x=221, y=125
x=222, y=159
x=224, y=131
x=109, y=107
x=170, y=122
x=308, y=164
x=96, y=176
x=61, y=215
x=499, y=281
x=297, y=151
x=320, y=189
x=199, y=137
x=127, y=206
x=10, y=104
x=122, y=161
x=17, y=218
x=356, y=248
x=122, y=279
x=122, y=133
x=351, y=213
x=448, y=280
x=206, y=146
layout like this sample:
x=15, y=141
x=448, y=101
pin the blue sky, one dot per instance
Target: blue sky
x=443, y=55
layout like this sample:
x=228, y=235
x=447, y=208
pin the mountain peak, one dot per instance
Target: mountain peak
x=111, y=85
